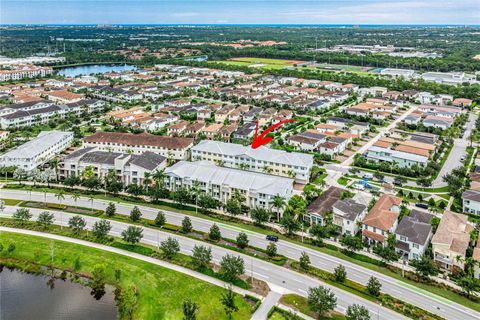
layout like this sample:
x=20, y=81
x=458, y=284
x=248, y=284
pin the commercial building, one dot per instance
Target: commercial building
x=38, y=151
x=221, y=183
x=129, y=168
x=262, y=159
x=176, y=148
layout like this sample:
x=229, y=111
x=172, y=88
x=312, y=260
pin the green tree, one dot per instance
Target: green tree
x=357, y=312
x=289, y=223
x=271, y=249
x=228, y=301
x=201, y=256
x=170, y=247
x=181, y=196
x=45, y=219
x=242, y=240
x=278, y=203
x=321, y=300
x=101, y=228
x=233, y=207
x=77, y=224
x=259, y=215
x=231, y=267
x=340, y=273
x=132, y=234
x=424, y=267
x=304, y=261
x=189, y=310
x=214, y=233
x=110, y=210
x=374, y=286
x=186, y=225
x=160, y=219
x=351, y=243
x=22, y=215
x=206, y=202
x=135, y=214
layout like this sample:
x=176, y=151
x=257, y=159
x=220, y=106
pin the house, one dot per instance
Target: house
x=413, y=234
x=381, y=220
x=221, y=183
x=476, y=257
x=38, y=151
x=251, y=114
x=279, y=162
x=451, y=240
x=128, y=168
x=212, y=130
x=320, y=207
x=64, y=96
x=245, y=132
x=471, y=201
x=462, y=102
x=175, y=148
x=177, y=128
x=347, y=214
x=437, y=122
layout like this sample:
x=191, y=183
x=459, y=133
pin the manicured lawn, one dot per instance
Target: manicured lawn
x=160, y=290
x=11, y=202
x=342, y=181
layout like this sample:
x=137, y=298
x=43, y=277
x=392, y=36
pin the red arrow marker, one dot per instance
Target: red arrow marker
x=260, y=140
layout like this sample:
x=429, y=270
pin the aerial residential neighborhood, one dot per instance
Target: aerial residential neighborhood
x=239, y=162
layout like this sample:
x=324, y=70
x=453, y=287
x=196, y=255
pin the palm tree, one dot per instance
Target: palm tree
x=278, y=203
x=195, y=189
x=75, y=197
x=54, y=166
x=91, y=198
x=266, y=169
x=146, y=180
x=159, y=176
x=291, y=174
x=60, y=196
x=243, y=166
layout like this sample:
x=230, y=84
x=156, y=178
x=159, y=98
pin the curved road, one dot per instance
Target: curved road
x=408, y=293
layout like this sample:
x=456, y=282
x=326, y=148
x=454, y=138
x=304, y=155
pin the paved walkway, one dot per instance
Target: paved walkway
x=268, y=303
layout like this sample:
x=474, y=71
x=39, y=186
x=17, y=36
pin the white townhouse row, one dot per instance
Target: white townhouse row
x=175, y=148
x=276, y=162
x=403, y=159
x=128, y=168
x=38, y=151
x=25, y=72
x=222, y=183
x=30, y=114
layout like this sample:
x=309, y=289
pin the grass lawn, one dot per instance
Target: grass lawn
x=342, y=181
x=11, y=202
x=160, y=290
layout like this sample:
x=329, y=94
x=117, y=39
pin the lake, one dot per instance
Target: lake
x=94, y=69
x=25, y=296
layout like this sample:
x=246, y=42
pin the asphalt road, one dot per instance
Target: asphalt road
x=283, y=280
x=416, y=296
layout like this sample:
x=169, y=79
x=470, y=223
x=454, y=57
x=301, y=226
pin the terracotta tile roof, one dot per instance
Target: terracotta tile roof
x=142, y=139
x=413, y=150
x=373, y=235
x=381, y=215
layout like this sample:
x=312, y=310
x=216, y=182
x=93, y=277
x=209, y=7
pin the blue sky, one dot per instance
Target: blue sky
x=239, y=12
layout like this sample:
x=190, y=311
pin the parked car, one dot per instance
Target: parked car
x=271, y=237
x=422, y=205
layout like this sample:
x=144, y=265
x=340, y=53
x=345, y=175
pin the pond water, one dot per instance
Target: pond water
x=25, y=296
x=94, y=69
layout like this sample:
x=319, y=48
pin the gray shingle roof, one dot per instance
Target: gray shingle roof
x=350, y=208
x=414, y=227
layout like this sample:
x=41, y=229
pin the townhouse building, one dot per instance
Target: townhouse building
x=222, y=183
x=175, y=148
x=38, y=151
x=276, y=162
x=128, y=168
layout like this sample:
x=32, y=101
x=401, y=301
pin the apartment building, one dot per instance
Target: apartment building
x=262, y=159
x=38, y=151
x=221, y=183
x=176, y=148
x=129, y=168
x=24, y=71
x=451, y=240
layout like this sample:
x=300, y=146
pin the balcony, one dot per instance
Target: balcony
x=442, y=259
